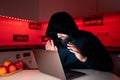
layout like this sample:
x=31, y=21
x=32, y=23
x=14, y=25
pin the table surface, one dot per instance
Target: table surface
x=37, y=75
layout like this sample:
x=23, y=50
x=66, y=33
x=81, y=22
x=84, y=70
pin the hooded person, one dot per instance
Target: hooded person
x=87, y=45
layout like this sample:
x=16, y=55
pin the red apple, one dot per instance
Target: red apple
x=12, y=67
x=19, y=64
x=7, y=63
x=3, y=70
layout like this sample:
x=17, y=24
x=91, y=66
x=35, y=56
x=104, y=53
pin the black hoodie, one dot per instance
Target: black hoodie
x=89, y=44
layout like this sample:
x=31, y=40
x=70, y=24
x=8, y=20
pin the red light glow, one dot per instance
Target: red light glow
x=108, y=32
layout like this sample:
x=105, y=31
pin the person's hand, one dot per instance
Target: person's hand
x=73, y=48
x=50, y=46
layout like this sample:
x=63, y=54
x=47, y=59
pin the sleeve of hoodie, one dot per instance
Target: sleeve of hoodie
x=97, y=57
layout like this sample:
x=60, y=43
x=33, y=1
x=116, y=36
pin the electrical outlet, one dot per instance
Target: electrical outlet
x=26, y=56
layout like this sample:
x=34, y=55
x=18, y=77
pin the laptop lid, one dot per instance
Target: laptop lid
x=49, y=62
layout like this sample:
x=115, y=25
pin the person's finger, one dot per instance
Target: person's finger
x=52, y=44
x=46, y=45
x=72, y=51
x=72, y=48
x=70, y=44
x=55, y=48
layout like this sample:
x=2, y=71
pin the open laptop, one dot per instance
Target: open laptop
x=49, y=62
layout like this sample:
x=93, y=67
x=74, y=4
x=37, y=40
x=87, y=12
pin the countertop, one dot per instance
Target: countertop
x=37, y=75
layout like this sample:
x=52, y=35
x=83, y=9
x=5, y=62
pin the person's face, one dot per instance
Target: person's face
x=64, y=38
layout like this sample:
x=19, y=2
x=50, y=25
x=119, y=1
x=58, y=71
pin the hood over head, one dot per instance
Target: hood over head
x=61, y=22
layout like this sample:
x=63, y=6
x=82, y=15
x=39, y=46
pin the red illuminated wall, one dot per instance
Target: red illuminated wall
x=108, y=33
x=25, y=34
x=33, y=32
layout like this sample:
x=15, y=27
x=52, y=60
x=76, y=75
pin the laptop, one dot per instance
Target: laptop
x=49, y=63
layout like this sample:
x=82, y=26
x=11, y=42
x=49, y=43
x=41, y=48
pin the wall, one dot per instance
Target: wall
x=108, y=6
x=25, y=9
x=19, y=32
x=107, y=29
x=75, y=7
x=41, y=10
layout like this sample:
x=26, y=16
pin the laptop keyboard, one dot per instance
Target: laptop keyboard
x=70, y=74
